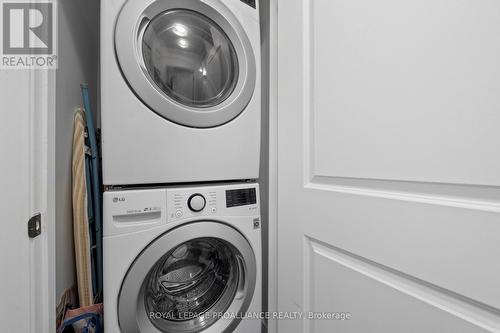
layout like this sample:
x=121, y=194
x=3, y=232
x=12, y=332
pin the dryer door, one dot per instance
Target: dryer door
x=187, y=279
x=188, y=61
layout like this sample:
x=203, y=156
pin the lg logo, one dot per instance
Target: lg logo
x=28, y=29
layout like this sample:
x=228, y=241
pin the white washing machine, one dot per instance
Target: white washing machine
x=183, y=259
x=180, y=90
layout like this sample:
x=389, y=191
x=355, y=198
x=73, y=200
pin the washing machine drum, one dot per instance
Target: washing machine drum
x=186, y=60
x=193, y=285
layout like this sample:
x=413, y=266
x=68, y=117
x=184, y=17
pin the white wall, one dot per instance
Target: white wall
x=78, y=63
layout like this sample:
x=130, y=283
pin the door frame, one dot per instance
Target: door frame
x=272, y=325
x=42, y=94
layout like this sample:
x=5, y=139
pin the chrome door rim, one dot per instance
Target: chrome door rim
x=132, y=314
x=128, y=48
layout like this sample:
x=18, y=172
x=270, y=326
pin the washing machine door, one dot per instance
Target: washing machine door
x=199, y=277
x=189, y=61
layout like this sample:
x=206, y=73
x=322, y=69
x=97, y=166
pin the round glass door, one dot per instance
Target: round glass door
x=190, y=58
x=186, y=279
x=194, y=278
x=189, y=61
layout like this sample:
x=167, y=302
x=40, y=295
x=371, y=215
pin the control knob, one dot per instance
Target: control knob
x=197, y=202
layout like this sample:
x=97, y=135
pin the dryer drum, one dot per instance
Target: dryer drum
x=190, y=58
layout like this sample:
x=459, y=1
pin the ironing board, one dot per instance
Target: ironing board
x=80, y=213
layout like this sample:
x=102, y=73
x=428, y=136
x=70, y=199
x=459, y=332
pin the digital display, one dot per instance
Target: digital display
x=251, y=3
x=243, y=197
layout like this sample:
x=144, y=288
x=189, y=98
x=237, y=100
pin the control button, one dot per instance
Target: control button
x=178, y=213
x=197, y=202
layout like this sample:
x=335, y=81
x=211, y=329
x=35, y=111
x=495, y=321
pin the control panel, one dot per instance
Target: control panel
x=131, y=210
x=225, y=200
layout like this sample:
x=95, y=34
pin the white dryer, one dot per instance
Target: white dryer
x=180, y=90
x=184, y=259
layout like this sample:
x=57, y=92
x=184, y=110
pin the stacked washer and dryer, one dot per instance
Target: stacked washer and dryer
x=180, y=104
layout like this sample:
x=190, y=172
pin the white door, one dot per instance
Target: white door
x=14, y=196
x=389, y=164
x=27, y=271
